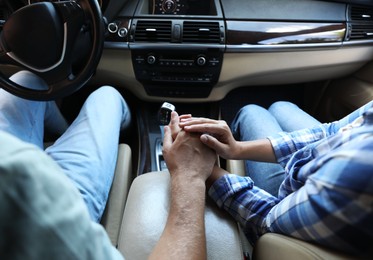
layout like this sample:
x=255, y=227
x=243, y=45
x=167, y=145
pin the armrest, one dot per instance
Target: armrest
x=276, y=246
x=236, y=167
x=146, y=213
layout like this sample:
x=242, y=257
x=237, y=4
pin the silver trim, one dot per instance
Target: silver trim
x=14, y=57
x=281, y=47
x=158, y=154
x=116, y=45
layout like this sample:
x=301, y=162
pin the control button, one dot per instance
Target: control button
x=122, y=32
x=151, y=59
x=201, y=61
x=169, y=6
x=176, y=33
x=112, y=27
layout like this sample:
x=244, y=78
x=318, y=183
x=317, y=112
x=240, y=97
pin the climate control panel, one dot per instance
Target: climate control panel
x=185, y=70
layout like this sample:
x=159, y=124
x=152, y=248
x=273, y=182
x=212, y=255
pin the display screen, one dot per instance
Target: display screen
x=182, y=7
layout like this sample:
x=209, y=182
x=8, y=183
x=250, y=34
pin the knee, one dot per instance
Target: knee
x=244, y=117
x=250, y=111
x=106, y=90
x=106, y=95
x=113, y=99
x=281, y=105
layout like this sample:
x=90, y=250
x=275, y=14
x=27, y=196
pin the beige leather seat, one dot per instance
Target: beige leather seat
x=123, y=176
x=276, y=246
x=112, y=218
x=146, y=213
x=135, y=221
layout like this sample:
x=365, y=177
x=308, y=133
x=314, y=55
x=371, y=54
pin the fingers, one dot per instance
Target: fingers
x=211, y=142
x=213, y=129
x=184, y=117
x=174, y=124
x=198, y=120
x=203, y=125
x=167, y=139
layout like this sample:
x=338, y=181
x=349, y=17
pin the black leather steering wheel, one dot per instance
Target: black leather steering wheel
x=61, y=42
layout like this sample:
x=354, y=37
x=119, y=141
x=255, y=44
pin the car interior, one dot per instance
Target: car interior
x=208, y=58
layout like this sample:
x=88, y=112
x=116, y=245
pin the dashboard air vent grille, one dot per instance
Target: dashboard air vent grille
x=361, y=14
x=361, y=19
x=201, y=32
x=153, y=31
x=361, y=31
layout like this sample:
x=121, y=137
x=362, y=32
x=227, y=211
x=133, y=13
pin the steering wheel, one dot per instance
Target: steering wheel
x=61, y=42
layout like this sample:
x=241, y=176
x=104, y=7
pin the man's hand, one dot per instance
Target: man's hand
x=214, y=133
x=184, y=152
x=190, y=163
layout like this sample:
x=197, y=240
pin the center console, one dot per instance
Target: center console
x=177, y=49
x=177, y=46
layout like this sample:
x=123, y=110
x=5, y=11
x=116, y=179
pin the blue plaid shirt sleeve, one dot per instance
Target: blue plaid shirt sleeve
x=248, y=204
x=285, y=144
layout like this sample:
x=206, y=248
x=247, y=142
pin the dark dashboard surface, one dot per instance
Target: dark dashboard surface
x=201, y=50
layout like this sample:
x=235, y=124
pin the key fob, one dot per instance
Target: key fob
x=164, y=113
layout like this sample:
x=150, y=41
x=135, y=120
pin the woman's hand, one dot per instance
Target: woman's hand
x=214, y=133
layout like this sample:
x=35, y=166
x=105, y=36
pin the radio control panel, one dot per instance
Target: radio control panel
x=182, y=69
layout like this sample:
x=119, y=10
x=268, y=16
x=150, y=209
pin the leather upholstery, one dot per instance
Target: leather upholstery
x=146, y=213
x=112, y=217
x=276, y=246
x=283, y=247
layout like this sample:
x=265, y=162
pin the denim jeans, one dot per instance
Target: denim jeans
x=87, y=149
x=253, y=122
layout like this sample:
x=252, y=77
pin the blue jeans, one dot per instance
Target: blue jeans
x=87, y=149
x=253, y=122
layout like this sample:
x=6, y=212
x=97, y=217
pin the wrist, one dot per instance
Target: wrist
x=187, y=179
x=217, y=173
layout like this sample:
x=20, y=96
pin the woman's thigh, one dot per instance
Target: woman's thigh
x=251, y=123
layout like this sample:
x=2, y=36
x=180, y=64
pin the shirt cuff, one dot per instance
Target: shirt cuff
x=228, y=185
x=281, y=148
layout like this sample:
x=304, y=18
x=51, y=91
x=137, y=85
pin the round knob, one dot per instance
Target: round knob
x=151, y=59
x=122, y=32
x=201, y=61
x=168, y=6
x=112, y=27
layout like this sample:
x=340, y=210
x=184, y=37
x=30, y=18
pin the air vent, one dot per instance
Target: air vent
x=153, y=31
x=361, y=31
x=361, y=14
x=201, y=32
x=361, y=23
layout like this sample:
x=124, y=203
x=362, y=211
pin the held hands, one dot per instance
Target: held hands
x=184, y=152
x=216, y=134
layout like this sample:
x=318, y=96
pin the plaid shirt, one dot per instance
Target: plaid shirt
x=327, y=194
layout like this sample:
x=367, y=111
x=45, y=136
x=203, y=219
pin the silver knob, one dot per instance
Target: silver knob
x=112, y=27
x=122, y=32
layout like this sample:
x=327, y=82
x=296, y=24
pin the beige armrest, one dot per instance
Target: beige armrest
x=146, y=214
x=113, y=214
x=276, y=246
x=236, y=167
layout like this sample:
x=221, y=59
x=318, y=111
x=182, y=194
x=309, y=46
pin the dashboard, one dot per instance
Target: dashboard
x=198, y=51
